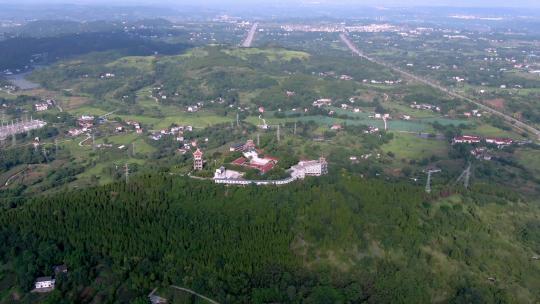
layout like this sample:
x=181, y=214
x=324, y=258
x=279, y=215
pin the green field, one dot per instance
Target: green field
x=271, y=54
x=410, y=146
x=530, y=158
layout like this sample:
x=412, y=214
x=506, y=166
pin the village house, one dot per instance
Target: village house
x=75, y=132
x=86, y=121
x=500, y=142
x=323, y=102
x=44, y=283
x=336, y=127
x=371, y=130
x=40, y=107
x=466, y=139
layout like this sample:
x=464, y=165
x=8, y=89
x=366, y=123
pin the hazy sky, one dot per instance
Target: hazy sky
x=463, y=3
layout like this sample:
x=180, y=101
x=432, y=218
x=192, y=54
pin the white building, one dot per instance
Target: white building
x=44, y=283
x=310, y=168
x=223, y=173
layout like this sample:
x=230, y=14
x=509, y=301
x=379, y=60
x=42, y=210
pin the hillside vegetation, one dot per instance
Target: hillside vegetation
x=340, y=239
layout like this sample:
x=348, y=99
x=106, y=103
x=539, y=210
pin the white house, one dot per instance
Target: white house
x=310, y=168
x=44, y=283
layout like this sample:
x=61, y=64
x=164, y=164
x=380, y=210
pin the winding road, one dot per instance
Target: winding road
x=516, y=123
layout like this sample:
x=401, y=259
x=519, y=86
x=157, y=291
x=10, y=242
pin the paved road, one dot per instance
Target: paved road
x=516, y=123
x=251, y=34
x=195, y=293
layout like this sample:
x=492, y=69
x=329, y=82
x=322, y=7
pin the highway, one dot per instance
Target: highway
x=516, y=123
x=251, y=34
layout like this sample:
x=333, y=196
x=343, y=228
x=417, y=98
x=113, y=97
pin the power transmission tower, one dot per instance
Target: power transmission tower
x=237, y=119
x=13, y=140
x=428, y=182
x=466, y=176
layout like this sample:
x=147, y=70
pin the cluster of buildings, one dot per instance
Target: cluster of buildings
x=323, y=102
x=472, y=139
x=177, y=131
x=339, y=28
x=251, y=159
x=107, y=75
x=136, y=125
x=299, y=171
x=389, y=82
x=44, y=106
x=85, y=123
x=473, y=113
x=425, y=106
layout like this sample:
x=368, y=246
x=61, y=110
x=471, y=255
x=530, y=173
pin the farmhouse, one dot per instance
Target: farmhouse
x=501, y=142
x=323, y=102
x=44, y=283
x=86, y=121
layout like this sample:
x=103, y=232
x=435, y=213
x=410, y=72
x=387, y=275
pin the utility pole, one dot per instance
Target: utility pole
x=93, y=142
x=127, y=173
x=258, y=139
x=278, y=135
x=45, y=154
x=56, y=146
x=295, y=128
x=13, y=139
x=132, y=149
x=237, y=119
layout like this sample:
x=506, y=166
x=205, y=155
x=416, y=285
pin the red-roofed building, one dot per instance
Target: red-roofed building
x=252, y=160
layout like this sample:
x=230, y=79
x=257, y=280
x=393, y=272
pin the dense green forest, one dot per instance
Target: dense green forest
x=17, y=52
x=338, y=239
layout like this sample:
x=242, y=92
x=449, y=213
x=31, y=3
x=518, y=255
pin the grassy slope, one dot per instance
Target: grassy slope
x=410, y=146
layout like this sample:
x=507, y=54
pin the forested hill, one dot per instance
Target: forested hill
x=339, y=239
x=17, y=52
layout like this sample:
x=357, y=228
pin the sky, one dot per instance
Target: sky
x=221, y=3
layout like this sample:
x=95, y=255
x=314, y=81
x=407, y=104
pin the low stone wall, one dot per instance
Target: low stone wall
x=254, y=182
